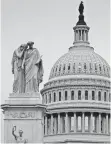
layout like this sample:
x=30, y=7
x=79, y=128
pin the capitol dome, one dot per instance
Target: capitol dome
x=80, y=60
x=77, y=94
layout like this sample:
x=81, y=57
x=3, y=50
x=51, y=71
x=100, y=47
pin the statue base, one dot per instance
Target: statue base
x=24, y=112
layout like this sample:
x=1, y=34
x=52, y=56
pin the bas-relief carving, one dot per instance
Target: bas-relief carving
x=20, y=115
x=27, y=68
x=19, y=138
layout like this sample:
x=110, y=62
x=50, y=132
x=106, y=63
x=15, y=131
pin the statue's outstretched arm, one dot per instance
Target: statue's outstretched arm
x=13, y=130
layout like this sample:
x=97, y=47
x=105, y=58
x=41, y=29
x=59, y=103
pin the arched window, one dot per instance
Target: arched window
x=59, y=96
x=65, y=95
x=49, y=98
x=86, y=95
x=100, y=67
x=69, y=67
x=64, y=68
x=95, y=67
x=54, y=96
x=59, y=68
x=104, y=68
x=46, y=99
x=72, y=95
x=74, y=67
x=79, y=95
x=84, y=66
x=104, y=96
x=99, y=96
x=90, y=67
x=56, y=69
x=93, y=95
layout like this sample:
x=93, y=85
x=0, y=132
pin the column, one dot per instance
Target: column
x=106, y=123
x=81, y=35
x=62, y=95
x=90, y=94
x=46, y=125
x=75, y=122
x=52, y=98
x=75, y=35
x=99, y=123
x=69, y=94
x=104, y=126
x=83, y=123
x=59, y=123
x=76, y=94
x=66, y=123
x=83, y=94
x=91, y=123
x=51, y=123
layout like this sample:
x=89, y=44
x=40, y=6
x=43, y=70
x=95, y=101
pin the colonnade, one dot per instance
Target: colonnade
x=81, y=35
x=76, y=94
x=75, y=122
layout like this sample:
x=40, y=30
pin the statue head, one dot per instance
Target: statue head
x=30, y=44
x=20, y=133
x=23, y=46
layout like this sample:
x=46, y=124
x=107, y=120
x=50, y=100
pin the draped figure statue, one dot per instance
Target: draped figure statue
x=17, y=61
x=33, y=69
x=27, y=68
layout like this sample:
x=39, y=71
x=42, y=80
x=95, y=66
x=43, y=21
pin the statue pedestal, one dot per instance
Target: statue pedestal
x=26, y=112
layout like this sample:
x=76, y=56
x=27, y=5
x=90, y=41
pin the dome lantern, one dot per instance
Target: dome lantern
x=81, y=29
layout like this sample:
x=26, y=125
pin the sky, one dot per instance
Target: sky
x=49, y=23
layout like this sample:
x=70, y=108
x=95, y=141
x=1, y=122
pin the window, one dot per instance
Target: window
x=99, y=67
x=104, y=96
x=46, y=99
x=79, y=95
x=54, y=97
x=85, y=66
x=69, y=67
x=65, y=95
x=49, y=98
x=93, y=95
x=95, y=67
x=99, y=95
x=74, y=67
x=59, y=68
x=72, y=95
x=59, y=96
x=64, y=68
x=90, y=67
x=86, y=95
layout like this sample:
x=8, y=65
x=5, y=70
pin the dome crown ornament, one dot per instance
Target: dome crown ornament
x=81, y=7
x=81, y=16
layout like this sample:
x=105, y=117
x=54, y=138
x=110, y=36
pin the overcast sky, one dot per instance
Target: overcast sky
x=49, y=23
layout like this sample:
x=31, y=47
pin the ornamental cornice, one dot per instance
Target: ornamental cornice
x=79, y=104
x=76, y=82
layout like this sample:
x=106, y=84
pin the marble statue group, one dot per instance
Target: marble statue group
x=27, y=68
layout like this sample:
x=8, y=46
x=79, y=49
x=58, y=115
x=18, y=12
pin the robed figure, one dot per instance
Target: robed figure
x=17, y=62
x=31, y=70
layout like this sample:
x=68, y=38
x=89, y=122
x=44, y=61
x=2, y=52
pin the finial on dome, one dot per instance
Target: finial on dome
x=81, y=16
x=81, y=8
